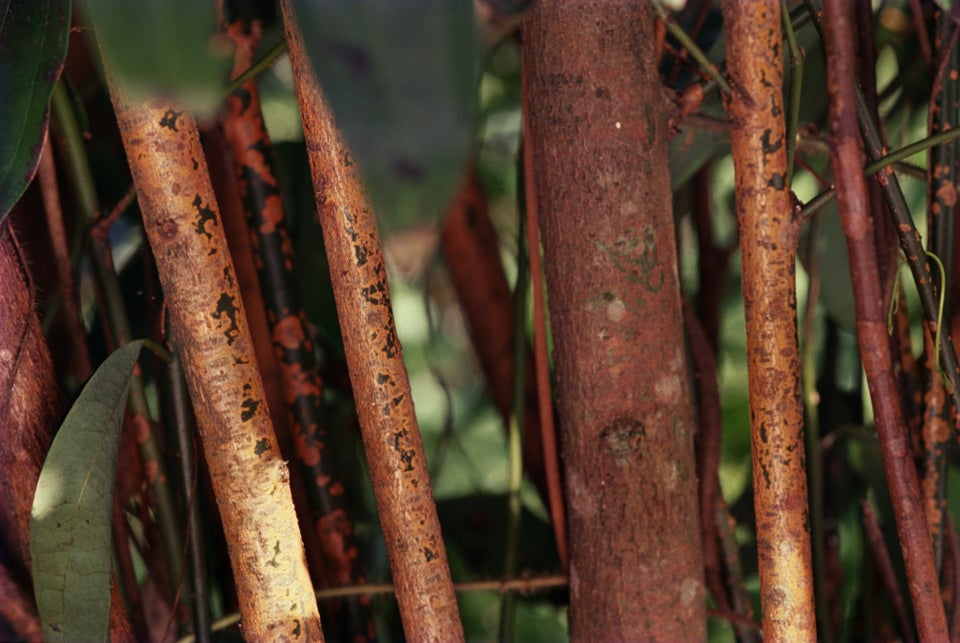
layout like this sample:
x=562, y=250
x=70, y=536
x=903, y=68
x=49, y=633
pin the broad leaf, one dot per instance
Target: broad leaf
x=169, y=47
x=33, y=44
x=70, y=541
x=401, y=79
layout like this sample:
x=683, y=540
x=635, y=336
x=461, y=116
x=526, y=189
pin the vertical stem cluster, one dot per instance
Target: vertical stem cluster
x=846, y=159
x=299, y=374
x=250, y=479
x=598, y=135
x=768, y=241
x=381, y=386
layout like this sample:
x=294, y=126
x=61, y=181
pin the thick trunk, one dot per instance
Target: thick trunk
x=599, y=134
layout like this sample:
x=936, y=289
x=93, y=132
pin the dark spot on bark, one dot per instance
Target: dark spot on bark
x=382, y=378
x=391, y=346
x=763, y=432
x=360, y=254
x=249, y=404
x=623, y=437
x=296, y=630
x=406, y=455
x=777, y=181
x=226, y=306
x=768, y=147
x=375, y=294
x=204, y=216
x=257, y=188
x=397, y=400
x=262, y=446
x=429, y=555
x=250, y=407
x=244, y=96
x=196, y=163
x=169, y=119
x=602, y=92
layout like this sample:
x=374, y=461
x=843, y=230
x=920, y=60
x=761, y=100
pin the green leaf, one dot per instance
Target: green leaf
x=70, y=526
x=168, y=47
x=401, y=78
x=33, y=44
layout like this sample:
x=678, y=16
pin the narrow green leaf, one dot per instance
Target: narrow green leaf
x=169, y=47
x=401, y=79
x=33, y=44
x=70, y=540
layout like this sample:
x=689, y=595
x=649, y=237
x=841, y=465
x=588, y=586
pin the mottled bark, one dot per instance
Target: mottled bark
x=324, y=484
x=250, y=479
x=598, y=135
x=768, y=243
x=381, y=386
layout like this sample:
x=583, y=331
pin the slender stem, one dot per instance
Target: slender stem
x=907, y=151
x=119, y=329
x=181, y=416
x=796, y=84
x=872, y=334
x=548, y=430
x=515, y=428
x=808, y=352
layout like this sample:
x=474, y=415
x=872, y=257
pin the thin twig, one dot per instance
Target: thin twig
x=691, y=46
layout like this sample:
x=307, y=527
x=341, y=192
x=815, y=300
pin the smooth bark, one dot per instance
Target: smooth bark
x=853, y=201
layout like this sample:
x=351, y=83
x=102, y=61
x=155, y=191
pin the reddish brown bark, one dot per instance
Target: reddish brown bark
x=29, y=409
x=250, y=479
x=768, y=242
x=472, y=252
x=29, y=399
x=847, y=161
x=381, y=386
x=598, y=135
x=708, y=451
x=47, y=177
x=18, y=610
